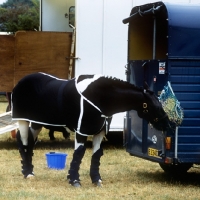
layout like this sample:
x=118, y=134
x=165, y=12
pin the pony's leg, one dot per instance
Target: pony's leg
x=26, y=139
x=73, y=175
x=51, y=134
x=66, y=135
x=35, y=130
x=25, y=142
x=95, y=161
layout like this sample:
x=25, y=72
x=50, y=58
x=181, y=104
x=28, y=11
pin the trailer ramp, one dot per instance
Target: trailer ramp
x=6, y=123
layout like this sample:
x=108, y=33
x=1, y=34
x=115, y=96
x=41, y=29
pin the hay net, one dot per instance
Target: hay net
x=171, y=105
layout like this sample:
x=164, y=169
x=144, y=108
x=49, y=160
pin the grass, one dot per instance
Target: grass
x=124, y=176
x=3, y=99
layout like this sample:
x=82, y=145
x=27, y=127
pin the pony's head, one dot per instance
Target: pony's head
x=152, y=111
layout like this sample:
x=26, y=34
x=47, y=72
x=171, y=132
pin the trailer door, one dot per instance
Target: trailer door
x=101, y=41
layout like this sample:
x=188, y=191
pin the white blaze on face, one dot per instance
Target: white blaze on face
x=82, y=85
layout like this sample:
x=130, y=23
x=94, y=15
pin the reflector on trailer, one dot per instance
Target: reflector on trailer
x=168, y=143
x=168, y=160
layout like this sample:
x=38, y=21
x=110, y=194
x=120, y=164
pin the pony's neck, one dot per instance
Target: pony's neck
x=112, y=99
x=120, y=101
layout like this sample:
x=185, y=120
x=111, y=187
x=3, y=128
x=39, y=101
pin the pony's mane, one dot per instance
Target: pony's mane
x=119, y=83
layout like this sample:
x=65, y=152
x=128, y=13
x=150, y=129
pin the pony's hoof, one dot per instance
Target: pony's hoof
x=98, y=183
x=76, y=184
x=29, y=176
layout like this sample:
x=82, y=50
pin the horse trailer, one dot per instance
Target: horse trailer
x=164, y=45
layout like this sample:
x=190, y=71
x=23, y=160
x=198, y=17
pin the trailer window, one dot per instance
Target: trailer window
x=72, y=15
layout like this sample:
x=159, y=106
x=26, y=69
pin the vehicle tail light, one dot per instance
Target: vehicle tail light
x=168, y=160
x=168, y=143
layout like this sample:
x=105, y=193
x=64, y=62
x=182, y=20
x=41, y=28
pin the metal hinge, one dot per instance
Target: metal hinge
x=73, y=58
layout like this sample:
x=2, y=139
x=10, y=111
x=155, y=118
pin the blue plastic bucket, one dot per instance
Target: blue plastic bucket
x=56, y=160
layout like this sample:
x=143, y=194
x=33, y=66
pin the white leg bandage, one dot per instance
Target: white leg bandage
x=23, y=127
x=77, y=145
x=35, y=132
x=97, y=139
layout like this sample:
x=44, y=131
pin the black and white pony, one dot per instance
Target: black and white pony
x=84, y=105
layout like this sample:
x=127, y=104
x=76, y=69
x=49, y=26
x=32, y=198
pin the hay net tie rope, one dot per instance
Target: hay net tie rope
x=171, y=105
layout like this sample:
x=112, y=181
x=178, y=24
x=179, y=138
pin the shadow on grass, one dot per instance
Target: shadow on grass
x=11, y=144
x=113, y=140
x=189, y=178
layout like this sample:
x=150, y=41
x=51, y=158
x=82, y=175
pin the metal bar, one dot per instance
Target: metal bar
x=163, y=143
x=144, y=136
x=72, y=58
x=154, y=37
x=176, y=143
x=72, y=52
x=142, y=13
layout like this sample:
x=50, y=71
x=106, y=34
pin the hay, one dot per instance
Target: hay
x=171, y=105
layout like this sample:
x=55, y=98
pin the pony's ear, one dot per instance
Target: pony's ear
x=146, y=86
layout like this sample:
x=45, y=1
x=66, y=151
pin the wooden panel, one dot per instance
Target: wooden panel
x=29, y=52
x=6, y=62
x=42, y=52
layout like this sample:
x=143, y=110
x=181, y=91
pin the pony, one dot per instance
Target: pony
x=66, y=135
x=84, y=105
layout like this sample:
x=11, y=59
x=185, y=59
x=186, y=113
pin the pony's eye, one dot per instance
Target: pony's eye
x=156, y=120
